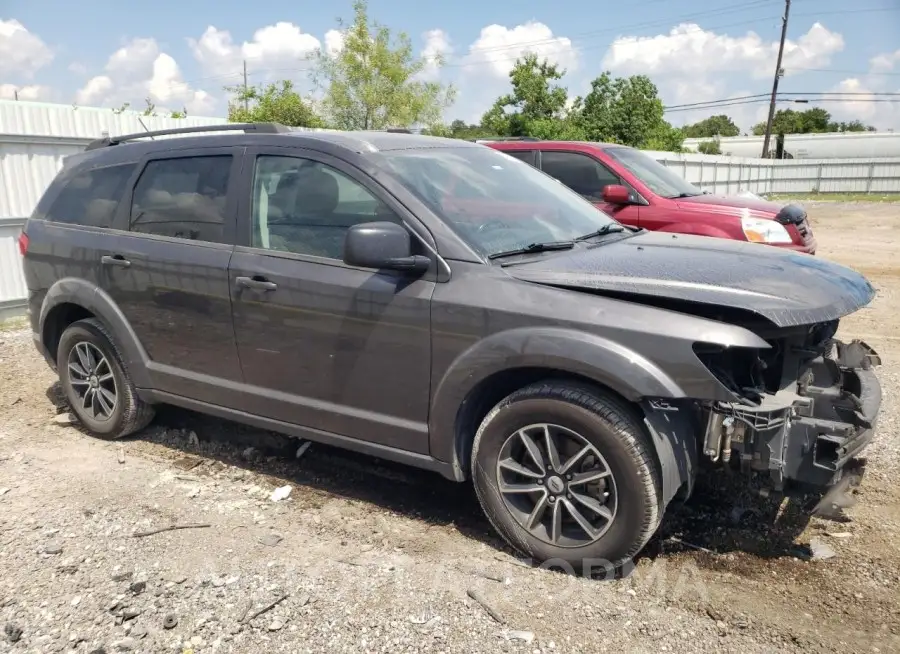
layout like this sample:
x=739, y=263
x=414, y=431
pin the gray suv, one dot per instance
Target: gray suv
x=442, y=304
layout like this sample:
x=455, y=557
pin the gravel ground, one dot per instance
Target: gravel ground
x=365, y=556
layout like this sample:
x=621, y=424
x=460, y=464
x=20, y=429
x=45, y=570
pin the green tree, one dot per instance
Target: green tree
x=536, y=107
x=373, y=81
x=720, y=125
x=710, y=147
x=627, y=110
x=811, y=121
x=274, y=103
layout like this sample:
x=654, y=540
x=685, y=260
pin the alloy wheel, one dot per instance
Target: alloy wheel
x=557, y=485
x=93, y=381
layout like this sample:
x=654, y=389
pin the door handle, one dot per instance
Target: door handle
x=115, y=260
x=256, y=283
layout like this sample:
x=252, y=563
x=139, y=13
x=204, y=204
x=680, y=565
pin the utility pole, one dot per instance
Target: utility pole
x=778, y=73
x=247, y=100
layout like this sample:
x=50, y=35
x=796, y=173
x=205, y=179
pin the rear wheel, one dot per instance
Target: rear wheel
x=96, y=383
x=565, y=473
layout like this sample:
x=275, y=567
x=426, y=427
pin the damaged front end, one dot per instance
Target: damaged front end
x=803, y=410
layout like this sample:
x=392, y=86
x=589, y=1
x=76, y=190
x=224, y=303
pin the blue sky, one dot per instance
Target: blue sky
x=63, y=51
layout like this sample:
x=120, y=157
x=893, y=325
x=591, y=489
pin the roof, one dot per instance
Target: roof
x=376, y=141
x=529, y=143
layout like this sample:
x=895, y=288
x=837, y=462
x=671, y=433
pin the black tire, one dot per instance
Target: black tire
x=130, y=413
x=609, y=425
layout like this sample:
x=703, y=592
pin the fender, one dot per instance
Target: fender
x=78, y=291
x=565, y=350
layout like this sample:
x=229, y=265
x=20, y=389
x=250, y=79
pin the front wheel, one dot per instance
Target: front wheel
x=96, y=383
x=565, y=473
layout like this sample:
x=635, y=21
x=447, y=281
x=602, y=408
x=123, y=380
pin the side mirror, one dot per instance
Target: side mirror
x=382, y=245
x=616, y=194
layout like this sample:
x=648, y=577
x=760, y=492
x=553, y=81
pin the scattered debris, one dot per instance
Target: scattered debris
x=833, y=534
x=276, y=625
x=249, y=454
x=131, y=613
x=125, y=644
x=65, y=419
x=271, y=540
x=187, y=463
x=302, y=449
x=122, y=576
x=267, y=608
x=170, y=621
x=142, y=534
x=476, y=595
x=675, y=539
x=281, y=493
x=524, y=636
x=820, y=550
x=193, y=440
x=121, y=454
x=3, y=491
x=138, y=587
x=53, y=548
x=13, y=632
x=194, y=492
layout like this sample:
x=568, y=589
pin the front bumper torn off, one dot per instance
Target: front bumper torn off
x=813, y=440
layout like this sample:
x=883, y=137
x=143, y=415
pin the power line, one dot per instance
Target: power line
x=840, y=94
x=866, y=100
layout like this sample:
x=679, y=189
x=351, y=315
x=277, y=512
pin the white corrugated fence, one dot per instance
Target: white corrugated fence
x=35, y=137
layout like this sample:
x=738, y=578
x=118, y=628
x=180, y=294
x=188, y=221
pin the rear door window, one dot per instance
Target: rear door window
x=581, y=173
x=522, y=155
x=183, y=197
x=91, y=198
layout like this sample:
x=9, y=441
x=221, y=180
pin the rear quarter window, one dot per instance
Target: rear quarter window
x=90, y=198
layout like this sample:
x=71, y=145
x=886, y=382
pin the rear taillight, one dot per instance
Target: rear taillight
x=23, y=243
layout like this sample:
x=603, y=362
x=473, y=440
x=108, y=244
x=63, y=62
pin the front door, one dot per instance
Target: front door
x=588, y=177
x=166, y=268
x=324, y=345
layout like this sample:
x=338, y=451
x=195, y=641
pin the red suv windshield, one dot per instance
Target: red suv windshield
x=496, y=202
x=657, y=177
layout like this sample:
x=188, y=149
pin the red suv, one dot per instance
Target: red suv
x=637, y=190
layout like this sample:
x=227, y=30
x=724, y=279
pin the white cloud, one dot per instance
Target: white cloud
x=437, y=45
x=497, y=48
x=688, y=50
x=138, y=71
x=691, y=64
x=21, y=52
x=883, y=112
x=884, y=63
x=334, y=42
x=31, y=92
x=483, y=73
x=276, y=48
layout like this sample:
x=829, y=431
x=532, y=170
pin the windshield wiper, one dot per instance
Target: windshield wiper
x=684, y=195
x=608, y=228
x=535, y=247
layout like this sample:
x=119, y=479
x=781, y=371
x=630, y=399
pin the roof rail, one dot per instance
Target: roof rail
x=506, y=138
x=258, y=128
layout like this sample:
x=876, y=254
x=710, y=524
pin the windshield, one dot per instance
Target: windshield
x=657, y=177
x=495, y=202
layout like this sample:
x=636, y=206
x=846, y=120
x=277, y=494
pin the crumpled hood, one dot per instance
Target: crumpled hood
x=784, y=287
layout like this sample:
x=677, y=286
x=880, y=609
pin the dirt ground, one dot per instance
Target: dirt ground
x=366, y=556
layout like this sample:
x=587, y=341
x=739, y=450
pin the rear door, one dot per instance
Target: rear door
x=72, y=230
x=167, y=268
x=588, y=177
x=324, y=345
